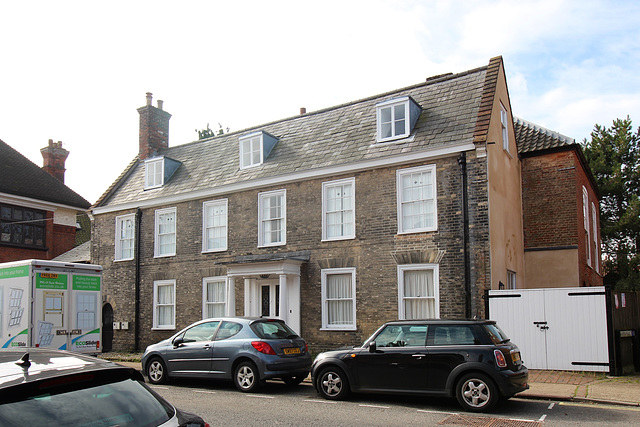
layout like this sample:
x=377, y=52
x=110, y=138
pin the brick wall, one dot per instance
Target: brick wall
x=549, y=200
x=375, y=253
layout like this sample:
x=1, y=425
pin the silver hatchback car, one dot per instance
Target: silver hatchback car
x=248, y=351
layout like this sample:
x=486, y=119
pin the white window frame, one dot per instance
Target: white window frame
x=93, y=311
x=594, y=226
x=325, y=300
x=326, y=186
x=157, y=306
x=511, y=280
x=262, y=220
x=206, y=302
x=153, y=173
x=251, y=139
x=587, y=229
x=120, y=222
x=206, y=226
x=504, y=126
x=159, y=212
x=400, y=173
x=436, y=287
x=390, y=104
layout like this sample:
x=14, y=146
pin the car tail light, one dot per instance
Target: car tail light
x=500, y=360
x=263, y=347
x=306, y=348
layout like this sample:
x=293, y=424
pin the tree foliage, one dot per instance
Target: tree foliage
x=210, y=133
x=613, y=155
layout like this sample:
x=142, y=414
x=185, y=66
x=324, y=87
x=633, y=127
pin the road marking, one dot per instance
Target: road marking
x=204, y=391
x=259, y=396
x=551, y=406
x=320, y=401
x=159, y=388
x=598, y=405
x=541, y=419
x=375, y=406
x=437, y=412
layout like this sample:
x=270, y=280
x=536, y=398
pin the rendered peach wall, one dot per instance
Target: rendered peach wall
x=505, y=196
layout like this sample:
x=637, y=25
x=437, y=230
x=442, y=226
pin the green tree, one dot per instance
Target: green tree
x=614, y=157
x=210, y=133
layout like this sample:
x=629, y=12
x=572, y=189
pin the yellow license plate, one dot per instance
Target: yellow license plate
x=291, y=350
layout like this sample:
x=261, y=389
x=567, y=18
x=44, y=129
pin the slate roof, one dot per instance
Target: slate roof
x=532, y=138
x=81, y=254
x=19, y=176
x=341, y=135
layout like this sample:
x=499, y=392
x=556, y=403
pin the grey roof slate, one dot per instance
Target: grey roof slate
x=340, y=135
x=19, y=176
x=81, y=253
x=532, y=138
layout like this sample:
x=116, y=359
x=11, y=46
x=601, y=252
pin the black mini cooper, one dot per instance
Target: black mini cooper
x=472, y=360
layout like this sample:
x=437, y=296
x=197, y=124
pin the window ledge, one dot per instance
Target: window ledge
x=350, y=328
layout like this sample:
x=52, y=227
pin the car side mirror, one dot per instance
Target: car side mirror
x=178, y=342
x=372, y=347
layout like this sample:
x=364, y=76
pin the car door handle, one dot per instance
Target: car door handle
x=419, y=355
x=207, y=346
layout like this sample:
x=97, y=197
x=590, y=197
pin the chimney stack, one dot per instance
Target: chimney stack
x=54, y=158
x=154, y=129
x=303, y=110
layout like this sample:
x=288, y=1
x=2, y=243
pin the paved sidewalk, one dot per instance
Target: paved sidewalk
x=583, y=386
x=596, y=387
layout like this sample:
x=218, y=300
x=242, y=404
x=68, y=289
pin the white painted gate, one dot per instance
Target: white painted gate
x=555, y=328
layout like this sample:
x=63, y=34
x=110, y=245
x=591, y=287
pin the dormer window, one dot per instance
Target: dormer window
x=158, y=171
x=396, y=118
x=255, y=148
x=154, y=173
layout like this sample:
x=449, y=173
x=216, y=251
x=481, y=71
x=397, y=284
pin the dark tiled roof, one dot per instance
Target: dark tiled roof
x=531, y=137
x=19, y=176
x=335, y=137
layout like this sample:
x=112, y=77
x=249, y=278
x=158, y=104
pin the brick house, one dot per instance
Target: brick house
x=561, y=213
x=406, y=204
x=37, y=211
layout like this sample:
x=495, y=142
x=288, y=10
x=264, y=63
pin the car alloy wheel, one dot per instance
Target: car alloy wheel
x=246, y=377
x=332, y=384
x=156, y=371
x=477, y=393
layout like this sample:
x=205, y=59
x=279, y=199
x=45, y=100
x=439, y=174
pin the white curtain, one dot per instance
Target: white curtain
x=165, y=305
x=216, y=298
x=339, y=299
x=419, y=295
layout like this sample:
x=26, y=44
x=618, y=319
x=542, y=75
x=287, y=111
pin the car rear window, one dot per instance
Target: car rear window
x=272, y=329
x=496, y=334
x=123, y=403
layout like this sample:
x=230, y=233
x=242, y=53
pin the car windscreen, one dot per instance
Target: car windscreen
x=125, y=402
x=272, y=329
x=496, y=334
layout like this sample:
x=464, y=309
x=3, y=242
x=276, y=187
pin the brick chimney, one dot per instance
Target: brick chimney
x=154, y=129
x=54, y=158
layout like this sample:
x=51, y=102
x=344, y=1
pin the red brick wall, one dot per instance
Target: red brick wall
x=58, y=240
x=549, y=202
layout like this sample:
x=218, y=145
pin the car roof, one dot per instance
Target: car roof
x=442, y=322
x=19, y=366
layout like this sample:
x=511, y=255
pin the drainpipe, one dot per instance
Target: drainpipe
x=462, y=161
x=136, y=333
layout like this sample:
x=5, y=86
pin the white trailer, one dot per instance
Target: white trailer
x=51, y=304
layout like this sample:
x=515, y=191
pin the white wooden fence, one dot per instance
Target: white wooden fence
x=555, y=328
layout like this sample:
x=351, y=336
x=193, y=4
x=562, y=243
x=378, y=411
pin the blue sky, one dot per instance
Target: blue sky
x=76, y=71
